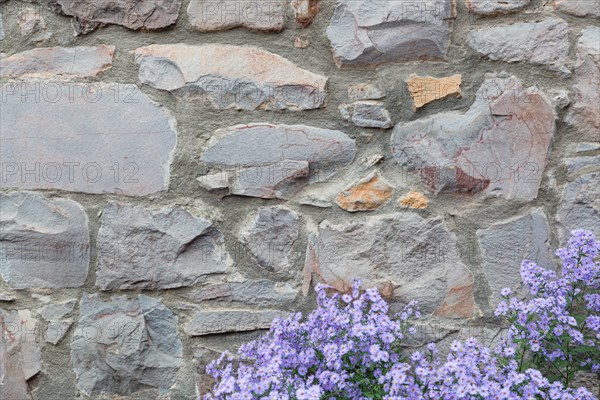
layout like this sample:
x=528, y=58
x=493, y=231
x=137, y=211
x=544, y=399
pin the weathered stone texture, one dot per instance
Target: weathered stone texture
x=140, y=248
x=245, y=78
x=367, y=194
x=58, y=63
x=30, y=22
x=96, y=138
x=305, y=11
x=579, y=206
x=220, y=15
x=414, y=199
x=270, y=237
x=367, y=114
x=364, y=32
x=493, y=7
x=425, y=89
x=579, y=8
x=121, y=345
x=365, y=91
x=222, y=321
x=58, y=325
x=260, y=292
x=539, y=43
x=281, y=180
x=44, y=242
x=475, y=151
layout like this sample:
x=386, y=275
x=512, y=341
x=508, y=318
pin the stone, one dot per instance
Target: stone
x=579, y=206
x=223, y=321
x=367, y=32
x=240, y=77
x=402, y=254
x=56, y=331
x=576, y=164
x=217, y=183
x=259, y=144
x=141, y=248
x=425, y=89
x=367, y=194
x=367, y=114
x=220, y=15
x=120, y=346
x=2, y=35
x=584, y=113
x=365, y=91
x=373, y=159
x=54, y=312
x=579, y=8
x=270, y=237
x=414, y=199
x=474, y=151
x=301, y=42
x=505, y=244
x=44, y=242
x=538, y=43
x=305, y=11
x=20, y=356
x=90, y=14
x=63, y=63
x=259, y=292
x=91, y=138
x=30, y=22
x=583, y=147
x=281, y=180
x=494, y=7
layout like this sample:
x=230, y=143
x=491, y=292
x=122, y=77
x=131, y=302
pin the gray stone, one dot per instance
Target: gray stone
x=62, y=63
x=493, y=7
x=240, y=77
x=94, y=138
x=261, y=292
x=579, y=8
x=140, y=248
x=583, y=147
x=475, y=151
x=20, y=356
x=30, y=22
x=579, y=206
x=44, y=242
x=1, y=28
x=270, y=237
x=281, y=180
x=217, y=183
x=538, y=43
x=367, y=114
x=584, y=113
x=504, y=245
x=576, y=164
x=364, y=32
x=121, y=345
x=54, y=312
x=257, y=144
x=222, y=321
x=90, y=14
x=56, y=331
x=404, y=255
x=220, y=15
x=365, y=91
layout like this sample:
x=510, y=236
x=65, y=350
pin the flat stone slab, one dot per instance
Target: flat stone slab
x=44, y=242
x=475, y=151
x=140, y=248
x=579, y=206
x=90, y=138
x=579, y=8
x=223, y=321
x=367, y=32
x=260, y=292
x=220, y=15
x=58, y=62
x=367, y=194
x=493, y=7
x=240, y=77
x=425, y=89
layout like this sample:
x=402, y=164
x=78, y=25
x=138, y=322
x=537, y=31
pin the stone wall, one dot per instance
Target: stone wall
x=176, y=174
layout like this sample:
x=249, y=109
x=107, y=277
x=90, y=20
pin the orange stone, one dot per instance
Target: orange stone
x=459, y=302
x=414, y=200
x=365, y=195
x=425, y=89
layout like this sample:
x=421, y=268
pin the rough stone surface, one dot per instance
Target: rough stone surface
x=90, y=14
x=425, y=89
x=257, y=145
x=493, y=7
x=245, y=78
x=367, y=114
x=365, y=91
x=85, y=141
x=270, y=237
x=364, y=32
x=579, y=206
x=140, y=248
x=54, y=312
x=367, y=194
x=504, y=245
x=220, y=15
x=121, y=345
x=414, y=199
x=538, y=43
x=474, y=151
x=584, y=113
x=576, y=164
x=20, y=356
x=44, y=242
x=281, y=180
x=413, y=257
x=2, y=35
x=260, y=292
x=58, y=63
x=222, y=321
x=30, y=22
x=305, y=11
x=579, y=8
x=57, y=326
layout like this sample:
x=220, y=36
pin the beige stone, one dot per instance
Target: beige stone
x=414, y=199
x=425, y=89
x=365, y=195
x=305, y=11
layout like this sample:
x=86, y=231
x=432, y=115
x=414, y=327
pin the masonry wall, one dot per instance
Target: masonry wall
x=175, y=174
